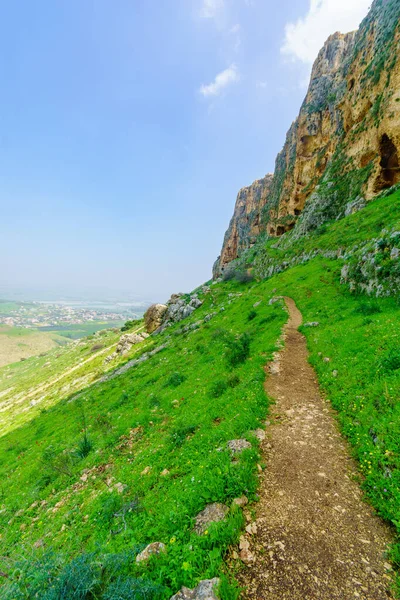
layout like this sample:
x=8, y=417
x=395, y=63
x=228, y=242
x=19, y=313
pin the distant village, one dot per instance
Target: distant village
x=35, y=315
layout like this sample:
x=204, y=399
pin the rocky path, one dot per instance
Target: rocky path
x=314, y=536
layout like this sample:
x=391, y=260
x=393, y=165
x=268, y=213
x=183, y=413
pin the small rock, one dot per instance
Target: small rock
x=120, y=487
x=251, y=528
x=242, y=501
x=237, y=446
x=151, y=549
x=326, y=359
x=204, y=591
x=256, y=304
x=259, y=434
x=164, y=472
x=334, y=373
x=311, y=324
x=245, y=555
x=213, y=513
x=146, y=471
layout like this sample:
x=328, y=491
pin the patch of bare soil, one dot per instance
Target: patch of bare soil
x=314, y=536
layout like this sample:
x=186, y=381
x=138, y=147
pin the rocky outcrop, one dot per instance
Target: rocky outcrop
x=160, y=316
x=343, y=147
x=245, y=225
x=154, y=316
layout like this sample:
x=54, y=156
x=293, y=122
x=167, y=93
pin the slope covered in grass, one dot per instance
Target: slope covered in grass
x=92, y=480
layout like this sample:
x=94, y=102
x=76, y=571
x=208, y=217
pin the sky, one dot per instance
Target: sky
x=128, y=127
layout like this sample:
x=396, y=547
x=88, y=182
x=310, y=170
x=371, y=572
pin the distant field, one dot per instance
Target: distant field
x=17, y=343
x=6, y=307
x=74, y=332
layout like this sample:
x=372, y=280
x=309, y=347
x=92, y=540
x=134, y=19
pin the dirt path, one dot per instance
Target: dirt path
x=316, y=538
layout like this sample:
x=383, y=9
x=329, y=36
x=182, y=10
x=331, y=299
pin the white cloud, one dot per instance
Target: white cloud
x=235, y=29
x=221, y=81
x=211, y=8
x=305, y=37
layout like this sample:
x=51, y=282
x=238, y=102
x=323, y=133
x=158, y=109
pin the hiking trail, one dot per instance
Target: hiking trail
x=314, y=536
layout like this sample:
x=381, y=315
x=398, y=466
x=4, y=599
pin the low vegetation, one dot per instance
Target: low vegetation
x=89, y=480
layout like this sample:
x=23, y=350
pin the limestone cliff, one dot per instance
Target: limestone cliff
x=343, y=144
x=245, y=224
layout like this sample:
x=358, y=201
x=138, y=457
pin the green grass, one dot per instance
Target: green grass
x=106, y=502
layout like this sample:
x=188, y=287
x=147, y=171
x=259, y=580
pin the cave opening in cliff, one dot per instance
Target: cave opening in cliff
x=297, y=212
x=280, y=230
x=390, y=167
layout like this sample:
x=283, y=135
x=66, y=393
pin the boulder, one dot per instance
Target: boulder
x=213, y=513
x=204, y=591
x=151, y=549
x=154, y=317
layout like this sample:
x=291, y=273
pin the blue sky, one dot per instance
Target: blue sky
x=128, y=127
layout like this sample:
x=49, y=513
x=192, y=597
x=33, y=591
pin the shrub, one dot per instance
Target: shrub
x=238, y=349
x=96, y=347
x=268, y=319
x=133, y=589
x=175, y=379
x=252, y=315
x=233, y=381
x=85, y=446
x=244, y=277
x=218, y=388
x=180, y=435
x=391, y=361
x=77, y=580
x=368, y=308
x=228, y=274
x=128, y=325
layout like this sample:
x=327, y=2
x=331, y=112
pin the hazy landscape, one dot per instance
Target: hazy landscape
x=238, y=437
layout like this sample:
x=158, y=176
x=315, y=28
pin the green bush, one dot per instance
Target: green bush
x=233, y=381
x=218, y=388
x=252, y=315
x=175, y=379
x=238, y=349
x=368, y=308
x=133, y=589
x=85, y=446
x=391, y=361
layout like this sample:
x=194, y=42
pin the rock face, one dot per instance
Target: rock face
x=178, y=307
x=153, y=317
x=204, y=591
x=344, y=146
x=245, y=224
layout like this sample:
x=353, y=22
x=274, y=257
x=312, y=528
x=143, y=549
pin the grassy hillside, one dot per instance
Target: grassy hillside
x=17, y=343
x=88, y=480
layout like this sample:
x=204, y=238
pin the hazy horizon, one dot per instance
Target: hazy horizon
x=127, y=132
